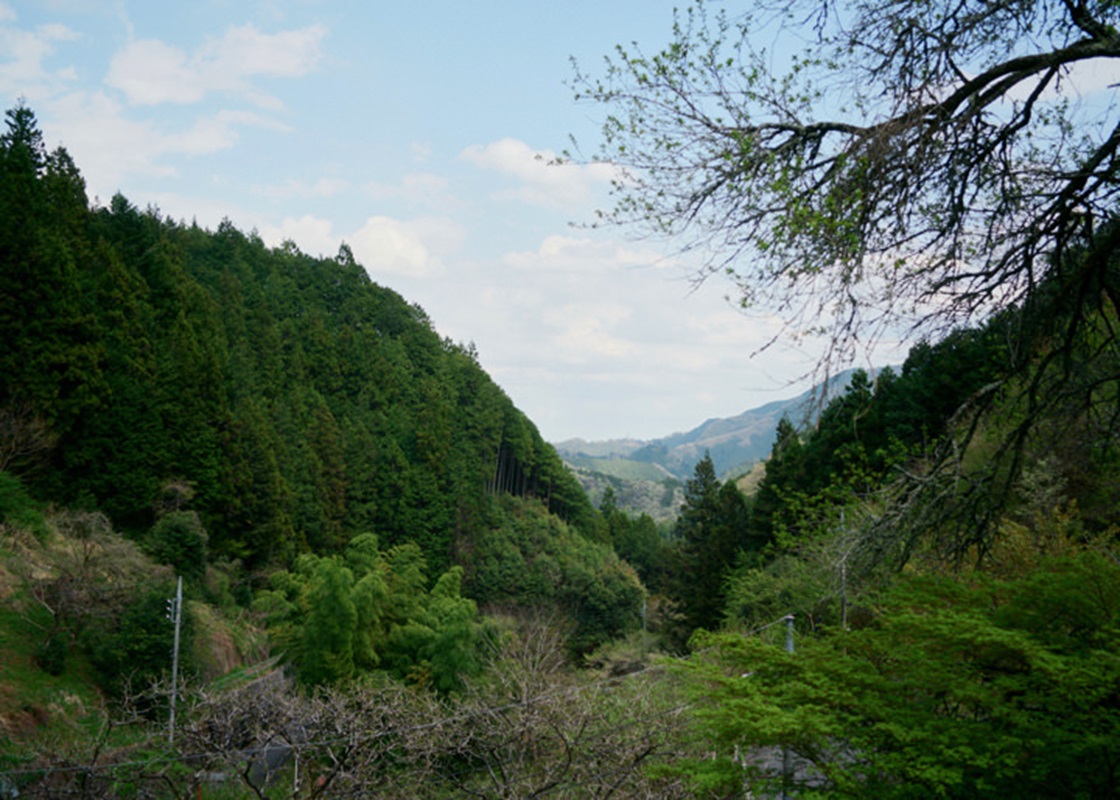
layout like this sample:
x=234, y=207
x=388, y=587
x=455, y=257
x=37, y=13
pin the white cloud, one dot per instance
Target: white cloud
x=150, y=72
x=7, y=13
x=22, y=54
x=591, y=323
x=384, y=246
x=313, y=235
x=110, y=146
x=244, y=51
x=544, y=181
x=413, y=249
x=586, y=331
x=579, y=256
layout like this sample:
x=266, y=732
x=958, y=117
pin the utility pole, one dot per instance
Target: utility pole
x=177, y=618
x=787, y=765
x=843, y=575
x=645, y=602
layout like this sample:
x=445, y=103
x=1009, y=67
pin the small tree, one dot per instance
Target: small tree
x=179, y=539
x=711, y=529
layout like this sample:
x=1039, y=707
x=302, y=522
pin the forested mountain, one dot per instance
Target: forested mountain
x=151, y=367
x=733, y=443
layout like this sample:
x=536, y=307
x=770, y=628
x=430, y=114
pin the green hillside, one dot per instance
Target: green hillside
x=282, y=432
x=296, y=401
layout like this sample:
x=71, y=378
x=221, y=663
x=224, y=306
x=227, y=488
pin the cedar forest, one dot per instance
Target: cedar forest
x=393, y=587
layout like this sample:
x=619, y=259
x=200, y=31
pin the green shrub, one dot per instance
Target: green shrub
x=179, y=540
x=51, y=653
x=18, y=509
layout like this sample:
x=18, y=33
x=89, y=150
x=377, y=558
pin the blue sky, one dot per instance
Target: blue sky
x=419, y=133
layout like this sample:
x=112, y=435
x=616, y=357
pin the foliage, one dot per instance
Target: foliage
x=179, y=540
x=134, y=651
x=337, y=617
x=712, y=534
x=638, y=541
x=531, y=559
x=51, y=653
x=960, y=687
x=17, y=508
x=295, y=399
x=909, y=154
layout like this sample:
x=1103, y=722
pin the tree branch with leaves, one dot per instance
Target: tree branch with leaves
x=918, y=164
x=917, y=168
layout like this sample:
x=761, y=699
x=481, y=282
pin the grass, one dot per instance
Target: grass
x=34, y=703
x=620, y=468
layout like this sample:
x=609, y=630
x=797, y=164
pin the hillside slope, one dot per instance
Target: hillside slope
x=289, y=400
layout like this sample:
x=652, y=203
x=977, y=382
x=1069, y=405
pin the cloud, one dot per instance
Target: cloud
x=587, y=330
x=587, y=261
x=22, y=71
x=413, y=249
x=313, y=235
x=384, y=246
x=544, y=180
x=111, y=146
x=152, y=72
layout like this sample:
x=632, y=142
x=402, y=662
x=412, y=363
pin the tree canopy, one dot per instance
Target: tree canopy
x=917, y=165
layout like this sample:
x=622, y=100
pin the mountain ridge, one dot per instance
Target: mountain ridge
x=734, y=443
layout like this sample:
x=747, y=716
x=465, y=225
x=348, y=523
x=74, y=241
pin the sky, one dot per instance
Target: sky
x=420, y=133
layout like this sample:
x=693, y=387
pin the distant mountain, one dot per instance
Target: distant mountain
x=735, y=443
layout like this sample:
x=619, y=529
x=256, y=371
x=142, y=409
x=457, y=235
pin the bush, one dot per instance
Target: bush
x=52, y=652
x=18, y=509
x=179, y=540
x=136, y=652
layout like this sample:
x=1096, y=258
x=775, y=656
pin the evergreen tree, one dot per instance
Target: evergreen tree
x=705, y=554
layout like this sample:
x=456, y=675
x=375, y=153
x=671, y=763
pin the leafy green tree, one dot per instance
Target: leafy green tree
x=532, y=559
x=452, y=650
x=641, y=545
x=371, y=598
x=328, y=631
x=961, y=687
x=179, y=539
x=337, y=617
x=18, y=510
x=52, y=359
x=134, y=650
x=784, y=473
